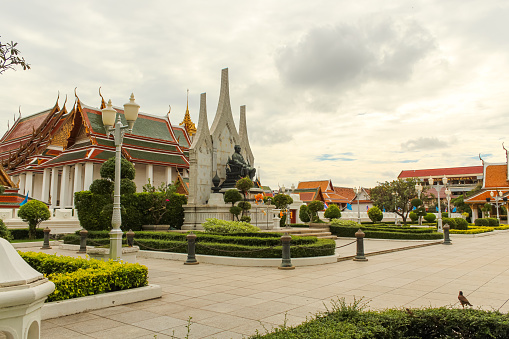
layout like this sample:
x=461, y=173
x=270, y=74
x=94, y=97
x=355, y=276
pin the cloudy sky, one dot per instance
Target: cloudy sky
x=353, y=91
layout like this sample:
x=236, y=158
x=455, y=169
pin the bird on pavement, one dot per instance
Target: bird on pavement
x=464, y=301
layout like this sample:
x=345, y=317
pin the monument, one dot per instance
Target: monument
x=223, y=154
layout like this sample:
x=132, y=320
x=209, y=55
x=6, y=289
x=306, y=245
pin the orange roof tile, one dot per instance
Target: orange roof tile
x=496, y=176
x=307, y=196
x=323, y=184
x=481, y=197
x=438, y=172
x=346, y=192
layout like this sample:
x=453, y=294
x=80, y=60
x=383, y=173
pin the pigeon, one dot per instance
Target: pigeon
x=464, y=301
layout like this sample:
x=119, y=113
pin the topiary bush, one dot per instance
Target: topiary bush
x=214, y=225
x=482, y=222
x=4, y=231
x=492, y=221
x=332, y=212
x=461, y=224
x=413, y=216
x=430, y=217
x=341, y=222
x=304, y=213
x=450, y=221
x=127, y=170
x=375, y=214
x=34, y=212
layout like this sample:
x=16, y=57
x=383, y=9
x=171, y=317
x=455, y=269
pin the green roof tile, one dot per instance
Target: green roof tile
x=160, y=157
x=64, y=157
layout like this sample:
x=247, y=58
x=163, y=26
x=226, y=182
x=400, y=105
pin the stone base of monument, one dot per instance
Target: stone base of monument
x=261, y=215
x=128, y=254
x=159, y=228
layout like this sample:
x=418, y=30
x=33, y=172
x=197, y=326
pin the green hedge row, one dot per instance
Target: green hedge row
x=78, y=277
x=349, y=322
x=343, y=231
x=248, y=239
x=300, y=247
x=455, y=223
x=22, y=233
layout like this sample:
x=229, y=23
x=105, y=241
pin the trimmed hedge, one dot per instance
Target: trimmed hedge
x=388, y=233
x=78, y=277
x=22, y=233
x=243, y=245
x=486, y=222
x=472, y=230
x=353, y=322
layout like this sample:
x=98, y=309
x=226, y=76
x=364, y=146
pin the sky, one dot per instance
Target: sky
x=352, y=91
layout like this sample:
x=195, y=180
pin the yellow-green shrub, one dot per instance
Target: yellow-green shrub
x=78, y=277
x=472, y=230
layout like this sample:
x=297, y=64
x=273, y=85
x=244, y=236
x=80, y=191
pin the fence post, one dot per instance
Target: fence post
x=83, y=241
x=45, y=245
x=447, y=240
x=286, y=262
x=360, y=246
x=130, y=238
x=191, y=250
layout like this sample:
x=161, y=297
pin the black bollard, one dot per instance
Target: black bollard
x=447, y=240
x=360, y=246
x=83, y=241
x=130, y=238
x=286, y=262
x=191, y=250
x=45, y=245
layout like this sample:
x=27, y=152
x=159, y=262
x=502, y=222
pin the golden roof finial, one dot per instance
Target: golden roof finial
x=187, y=122
x=103, y=103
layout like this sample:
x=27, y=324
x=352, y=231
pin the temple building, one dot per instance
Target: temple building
x=494, y=185
x=54, y=153
x=460, y=179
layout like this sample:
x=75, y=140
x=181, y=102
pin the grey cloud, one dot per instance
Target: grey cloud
x=423, y=144
x=380, y=49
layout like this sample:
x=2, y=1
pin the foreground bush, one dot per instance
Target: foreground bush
x=4, y=232
x=351, y=321
x=22, y=233
x=387, y=232
x=78, y=277
x=341, y=222
x=213, y=225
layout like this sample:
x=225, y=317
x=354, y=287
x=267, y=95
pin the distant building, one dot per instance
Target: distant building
x=460, y=179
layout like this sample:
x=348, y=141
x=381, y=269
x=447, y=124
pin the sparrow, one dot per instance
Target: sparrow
x=464, y=301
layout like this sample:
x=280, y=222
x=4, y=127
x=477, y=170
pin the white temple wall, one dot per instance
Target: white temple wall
x=159, y=175
x=141, y=176
x=37, y=187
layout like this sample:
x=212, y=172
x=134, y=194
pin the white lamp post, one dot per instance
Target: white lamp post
x=448, y=196
x=418, y=188
x=357, y=191
x=497, y=202
x=395, y=195
x=438, y=188
x=118, y=130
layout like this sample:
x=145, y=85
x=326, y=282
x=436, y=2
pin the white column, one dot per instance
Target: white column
x=64, y=187
x=78, y=182
x=89, y=175
x=54, y=187
x=46, y=178
x=29, y=183
x=22, y=178
x=150, y=174
x=169, y=175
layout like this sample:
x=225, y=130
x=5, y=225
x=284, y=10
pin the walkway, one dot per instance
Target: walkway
x=232, y=302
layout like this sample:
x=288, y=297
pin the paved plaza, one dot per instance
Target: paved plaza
x=234, y=302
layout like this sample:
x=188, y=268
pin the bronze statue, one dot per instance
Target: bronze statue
x=238, y=159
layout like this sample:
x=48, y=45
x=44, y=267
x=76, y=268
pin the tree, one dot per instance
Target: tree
x=127, y=170
x=332, y=212
x=420, y=210
x=313, y=207
x=375, y=214
x=34, y=212
x=233, y=196
x=399, y=202
x=244, y=185
x=304, y=213
x=9, y=57
x=159, y=198
x=281, y=201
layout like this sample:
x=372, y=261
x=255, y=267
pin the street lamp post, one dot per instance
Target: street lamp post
x=418, y=188
x=357, y=192
x=438, y=188
x=109, y=115
x=448, y=196
x=497, y=203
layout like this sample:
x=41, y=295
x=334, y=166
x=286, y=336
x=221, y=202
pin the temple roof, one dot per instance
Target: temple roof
x=187, y=123
x=495, y=176
x=325, y=185
x=440, y=172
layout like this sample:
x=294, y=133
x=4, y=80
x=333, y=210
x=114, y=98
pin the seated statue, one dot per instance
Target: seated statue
x=238, y=161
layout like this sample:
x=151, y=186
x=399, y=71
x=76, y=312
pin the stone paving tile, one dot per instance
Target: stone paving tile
x=222, y=307
x=160, y=323
x=196, y=331
x=223, y=321
x=195, y=313
x=111, y=310
x=133, y=316
x=123, y=332
x=75, y=318
x=90, y=326
x=62, y=333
